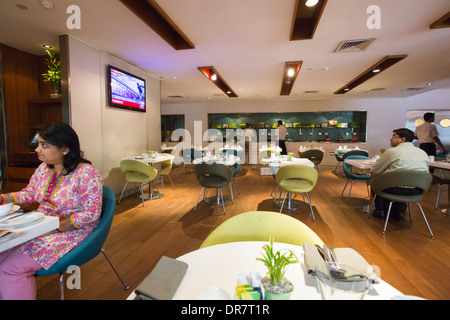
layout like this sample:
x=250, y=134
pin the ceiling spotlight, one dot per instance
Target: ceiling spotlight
x=47, y=46
x=47, y=4
x=311, y=3
x=429, y=84
x=290, y=72
x=214, y=77
x=376, y=69
x=347, y=89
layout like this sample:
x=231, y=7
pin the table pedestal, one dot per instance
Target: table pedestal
x=217, y=200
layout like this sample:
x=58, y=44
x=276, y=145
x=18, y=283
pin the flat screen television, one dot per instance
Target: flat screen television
x=125, y=90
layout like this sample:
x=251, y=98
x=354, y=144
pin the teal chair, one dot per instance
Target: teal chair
x=353, y=176
x=90, y=247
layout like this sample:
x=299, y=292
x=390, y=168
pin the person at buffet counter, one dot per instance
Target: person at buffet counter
x=402, y=156
x=65, y=185
x=428, y=135
x=282, y=132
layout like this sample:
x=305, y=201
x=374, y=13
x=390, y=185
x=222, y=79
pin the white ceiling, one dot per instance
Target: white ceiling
x=247, y=41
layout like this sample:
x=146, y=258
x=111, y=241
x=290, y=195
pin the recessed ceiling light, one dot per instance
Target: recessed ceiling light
x=377, y=69
x=214, y=77
x=311, y=3
x=46, y=4
x=46, y=46
x=429, y=84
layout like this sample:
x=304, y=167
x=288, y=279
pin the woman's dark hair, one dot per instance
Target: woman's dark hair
x=62, y=135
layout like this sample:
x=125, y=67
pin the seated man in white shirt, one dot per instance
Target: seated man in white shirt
x=402, y=156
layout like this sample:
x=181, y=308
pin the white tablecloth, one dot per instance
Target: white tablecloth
x=219, y=266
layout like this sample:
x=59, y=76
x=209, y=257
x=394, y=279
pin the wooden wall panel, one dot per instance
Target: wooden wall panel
x=21, y=83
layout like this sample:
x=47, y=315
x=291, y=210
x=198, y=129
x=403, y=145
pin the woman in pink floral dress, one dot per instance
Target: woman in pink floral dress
x=65, y=185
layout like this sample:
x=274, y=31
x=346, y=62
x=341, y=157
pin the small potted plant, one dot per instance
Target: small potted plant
x=276, y=286
x=53, y=74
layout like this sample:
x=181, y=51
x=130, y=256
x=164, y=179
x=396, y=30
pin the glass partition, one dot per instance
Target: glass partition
x=169, y=123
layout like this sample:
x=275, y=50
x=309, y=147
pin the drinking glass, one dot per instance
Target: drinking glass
x=345, y=284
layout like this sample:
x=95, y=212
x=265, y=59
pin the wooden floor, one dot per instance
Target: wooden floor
x=407, y=257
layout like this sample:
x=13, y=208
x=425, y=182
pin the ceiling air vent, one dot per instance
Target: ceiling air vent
x=354, y=45
x=176, y=97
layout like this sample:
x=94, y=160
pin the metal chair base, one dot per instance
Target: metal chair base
x=61, y=277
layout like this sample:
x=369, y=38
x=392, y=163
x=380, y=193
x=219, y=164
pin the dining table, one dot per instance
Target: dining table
x=152, y=160
x=26, y=231
x=220, y=268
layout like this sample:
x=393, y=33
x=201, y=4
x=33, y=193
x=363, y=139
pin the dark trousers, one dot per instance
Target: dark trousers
x=429, y=148
x=282, y=144
x=397, y=208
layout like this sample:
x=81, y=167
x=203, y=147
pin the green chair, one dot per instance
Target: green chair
x=213, y=175
x=265, y=155
x=166, y=167
x=137, y=172
x=260, y=226
x=314, y=155
x=401, y=178
x=297, y=179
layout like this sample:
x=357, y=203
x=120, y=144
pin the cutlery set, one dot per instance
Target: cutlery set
x=328, y=254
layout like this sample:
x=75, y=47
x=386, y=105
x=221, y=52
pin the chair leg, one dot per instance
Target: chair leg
x=387, y=217
x=437, y=198
x=223, y=203
x=123, y=190
x=310, y=206
x=370, y=207
x=171, y=181
x=162, y=184
x=142, y=194
x=284, y=198
x=125, y=286
x=195, y=208
x=350, y=191
x=236, y=186
x=231, y=192
x=342, y=193
x=423, y=214
x=61, y=286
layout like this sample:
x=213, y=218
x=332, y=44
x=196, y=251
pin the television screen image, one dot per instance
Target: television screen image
x=126, y=91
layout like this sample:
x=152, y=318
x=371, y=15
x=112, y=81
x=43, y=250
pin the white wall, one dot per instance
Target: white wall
x=383, y=115
x=108, y=135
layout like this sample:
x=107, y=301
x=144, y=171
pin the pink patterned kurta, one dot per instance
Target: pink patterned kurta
x=77, y=196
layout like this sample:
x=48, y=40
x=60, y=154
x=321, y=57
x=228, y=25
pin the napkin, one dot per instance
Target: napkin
x=346, y=256
x=163, y=281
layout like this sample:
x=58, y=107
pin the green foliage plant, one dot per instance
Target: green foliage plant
x=53, y=74
x=276, y=262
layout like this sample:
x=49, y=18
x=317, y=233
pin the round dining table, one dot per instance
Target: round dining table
x=221, y=265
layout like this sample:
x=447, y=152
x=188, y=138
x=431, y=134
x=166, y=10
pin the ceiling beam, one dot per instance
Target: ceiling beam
x=306, y=19
x=442, y=22
x=383, y=64
x=289, y=79
x=155, y=17
x=211, y=73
